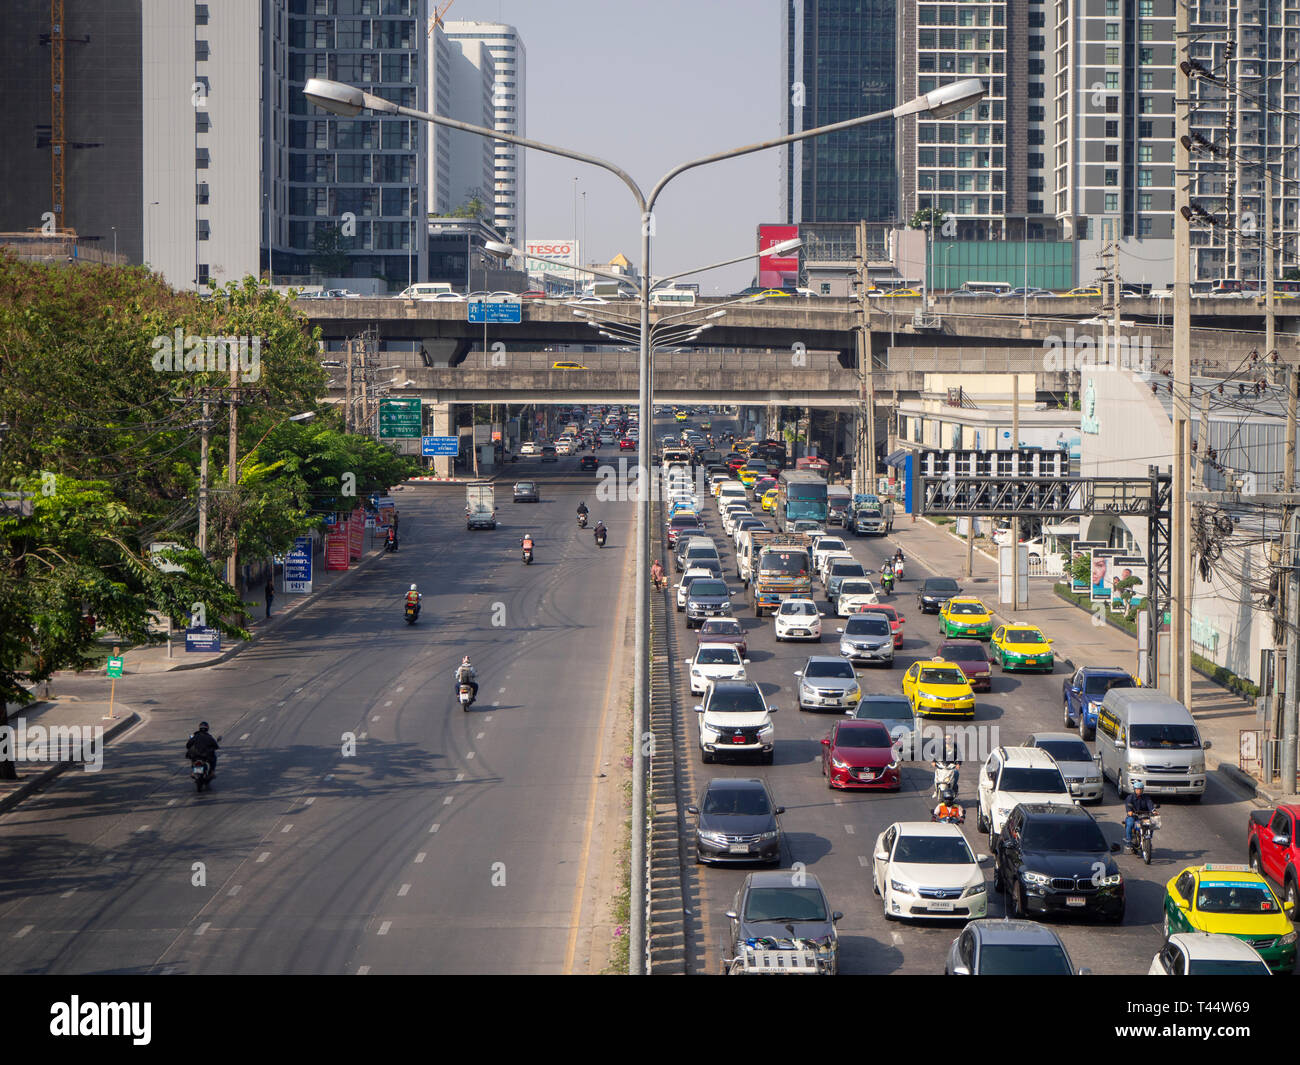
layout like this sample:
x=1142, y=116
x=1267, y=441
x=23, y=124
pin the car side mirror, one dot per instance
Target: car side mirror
x=1114, y=848
x=744, y=661
x=798, y=672
x=773, y=709
x=779, y=810
x=836, y=917
x=732, y=915
x=882, y=856
x=1207, y=744
x=981, y=858
x=826, y=741
x=692, y=809
x=699, y=709
x=1183, y=904
x=839, y=630
x=1085, y=971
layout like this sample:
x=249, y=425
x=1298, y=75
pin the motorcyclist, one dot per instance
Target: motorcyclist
x=1136, y=806
x=599, y=532
x=949, y=807
x=527, y=542
x=948, y=760
x=202, y=744
x=414, y=598
x=391, y=539
x=465, y=674
x=898, y=557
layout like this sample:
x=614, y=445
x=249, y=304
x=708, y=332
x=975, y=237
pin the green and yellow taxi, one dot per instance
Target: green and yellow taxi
x=680, y=415
x=1232, y=900
x=965, y=615
x=769, y=499
x=1022, y=647
x=938, y=688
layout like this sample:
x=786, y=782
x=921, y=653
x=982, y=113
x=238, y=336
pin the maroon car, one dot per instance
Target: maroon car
x=724, y=630
x=973, y=660
x=860, y=754
x=683, y=523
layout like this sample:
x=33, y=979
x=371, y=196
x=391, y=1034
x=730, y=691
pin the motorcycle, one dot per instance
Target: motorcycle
x=887, y=582
x=600, y=537
x=582, y=521
x=945, y=779
x=412, y=612
x=898, y=568
x=1143, y=831
x=466, y=695
x=528, y=556
x=200, y=773
x=390, y=545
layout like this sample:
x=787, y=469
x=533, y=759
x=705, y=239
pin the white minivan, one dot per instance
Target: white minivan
x=429, y=290
x=1143, y=734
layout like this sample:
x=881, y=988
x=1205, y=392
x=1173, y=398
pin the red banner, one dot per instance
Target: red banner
x=356, y=533
x=777, y=271
x=336, y=549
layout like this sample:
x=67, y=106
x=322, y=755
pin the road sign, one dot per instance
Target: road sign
x=481, y=313
x=399, y=418
x=297, y=566
x=157, y=548
x=439, y=445
x=114, y=667
x=202, y=639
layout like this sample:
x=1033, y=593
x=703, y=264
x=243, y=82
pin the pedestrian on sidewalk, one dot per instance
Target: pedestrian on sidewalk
x=270, y=594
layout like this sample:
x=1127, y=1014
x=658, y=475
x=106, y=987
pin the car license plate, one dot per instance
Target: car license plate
x=1076, y=900
x=798, y=632
x=935, y=904
x=738, y=848
x=866, y=774
x=737, y=739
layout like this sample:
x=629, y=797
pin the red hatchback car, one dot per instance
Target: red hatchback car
x=627, y=444
x=895, y=619
x=973, y=660
x=860, y=754
x=724, y=630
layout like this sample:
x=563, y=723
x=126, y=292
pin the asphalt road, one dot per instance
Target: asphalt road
x=447, y=842
x=833, y=833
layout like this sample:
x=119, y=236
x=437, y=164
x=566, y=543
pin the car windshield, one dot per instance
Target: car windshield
x=1235, y=896
x=889, y=708
x=1226, y=967
x=1024, y=636
x=856, y=588
x=1066, y=750
x=963, y=651
x=744, y=802
x=942, y=675
x=830, y=543
x=940, y=587
x=837, y=668
x=784, y=564
x=716, y=656
x=746, y=700
x=703, y=551
x=525, y=486
x=1101, y=685
x=795, y=608
x=867, y=625
x=685, y=521
x=863, y=736
x=1023, y=959
x=846, y=568
x=1064, y=837
x=703, y=587
x=966, y=608
x=933, y=850
x=721, y=628
x=785, y=904
x=1027, y=778
x=1164, y=736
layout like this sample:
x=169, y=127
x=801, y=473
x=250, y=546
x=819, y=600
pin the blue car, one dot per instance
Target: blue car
x=1083, y=691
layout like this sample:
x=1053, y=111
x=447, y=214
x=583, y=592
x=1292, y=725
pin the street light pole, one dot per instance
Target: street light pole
x=349, y=101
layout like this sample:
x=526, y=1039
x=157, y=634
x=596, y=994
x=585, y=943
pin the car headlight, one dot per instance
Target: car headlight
x=901, y=888
x=766, y=730
x=837, y=764
x=768, y=835
x=893, y=764
x=974, y=889
x=846, y=648
x=714, y=837
x=854, y=695
x=1002, y=812
x=1036, y=878
x=1113, y=880
x=1287, y=940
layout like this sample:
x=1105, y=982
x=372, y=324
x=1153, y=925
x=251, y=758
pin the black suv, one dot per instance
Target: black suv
x=1054, y=859
x=737, y=822
x=935, y=592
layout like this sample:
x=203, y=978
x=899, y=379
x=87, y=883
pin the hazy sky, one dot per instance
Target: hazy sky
x=648, y=86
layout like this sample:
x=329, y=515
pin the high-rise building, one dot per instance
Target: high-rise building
x=462, y=166
x=838, y=62
x=504, y=48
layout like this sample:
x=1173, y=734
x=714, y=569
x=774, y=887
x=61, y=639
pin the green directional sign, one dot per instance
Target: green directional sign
x=114, y=667
x=399, y=417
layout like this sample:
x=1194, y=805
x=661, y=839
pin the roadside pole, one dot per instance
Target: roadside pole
x=1290, y=712
x=114, y=670
x=1015, y=522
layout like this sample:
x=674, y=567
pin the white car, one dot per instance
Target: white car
x=855, y=594
x=692, y=574
x=752, y=524
x=827, y=559
x=1013, y=775
x=564, y=447
x=924, y=869
x=797, y=619
x=733, y=515
x=823, y=546
x=1207, y=954
x=528, y=447
x=715, y=661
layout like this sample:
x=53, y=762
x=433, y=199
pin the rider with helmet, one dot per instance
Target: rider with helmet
x=414, y=598
x=202, y=744
x=1136, y=806
x=949, y=809
x=465, y=674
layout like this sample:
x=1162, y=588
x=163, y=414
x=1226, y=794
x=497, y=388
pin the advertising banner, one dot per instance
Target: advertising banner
x=1102, y=562
x=1128, y=583
x=356, y=534
x=777, y=271
x=297, y=566
x=1082, y=550
x=555, y=257
x=336, y=548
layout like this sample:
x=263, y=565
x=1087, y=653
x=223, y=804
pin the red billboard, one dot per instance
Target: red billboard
x=356, y=534
x=777, y=271
x=336, y=547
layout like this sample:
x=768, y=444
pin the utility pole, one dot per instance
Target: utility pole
x=206, y=432
x=349, y=419
x=1270, y=322
x=1015, y=522
x=1290, y=711
x=365, y=399
x=232, y=474
x=1180, y=614
x=864, y=474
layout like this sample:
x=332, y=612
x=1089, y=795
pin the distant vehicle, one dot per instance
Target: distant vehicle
x=773, y=293
x=1031, y=293
x=900, y=293
x=1004, y=947
x=1087, y=292
x=986, y=288
x=480, y=507
x=503, y=297
x=678, y=296
x=567, y=366
x=590, y=299
x=426, y=290
x=532, y=294
x=526, y=492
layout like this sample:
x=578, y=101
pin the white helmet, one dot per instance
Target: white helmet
x=413, y=587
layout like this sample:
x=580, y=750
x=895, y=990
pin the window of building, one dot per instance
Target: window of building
x=1112, y=56
x=1112, y=31
x=201, y=159
x=1144, y=177
x=1144, y=153
x=1146, y=81
x=200, y=14
x=201, y=51
x=1037, y=90
x=1144, y=227
x=1146, y=32
x=201, y=121
x=1144, y=201
x=1112, y=8
x=201, y=193
x=1036, y=136
x=1112, y=128
x=1037, y=114
x=1112, y=178
x=1147, y=105
x=1112, y=201
x=1036, y=161
x=1035, y=183
x=203, y=274
x=1037, y=44
x=1145, y=127
x=1146, y=8
x=203, y=231
x=1146, y=56
x=1035, y=206
x=1111, y=153
x=1037, y=20
x=1112, y=79
x=1112, y=105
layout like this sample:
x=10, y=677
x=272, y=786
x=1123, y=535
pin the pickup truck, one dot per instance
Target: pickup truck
x=869, y=515
x=480, y=506
x=1273, y=848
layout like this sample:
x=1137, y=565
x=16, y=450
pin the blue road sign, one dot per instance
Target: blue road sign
x=481, y=313
x=439, y=445
x=297, y=566
x=202, y=639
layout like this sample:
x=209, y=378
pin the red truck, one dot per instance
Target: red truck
x=1274, y=850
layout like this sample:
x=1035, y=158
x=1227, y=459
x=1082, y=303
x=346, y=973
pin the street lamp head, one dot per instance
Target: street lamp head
x=334, y=96
x=782, y=248
x=303, y=416
x=716, y=314
x=945, y=101
x=496, y=247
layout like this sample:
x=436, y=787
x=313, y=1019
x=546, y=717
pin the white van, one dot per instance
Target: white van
x=426, y=290
x=1143, y=734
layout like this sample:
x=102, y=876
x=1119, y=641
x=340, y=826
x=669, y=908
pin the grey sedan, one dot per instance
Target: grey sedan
x=827, y=682
x=770, y=906
x=1007, y=947
x=526, y=492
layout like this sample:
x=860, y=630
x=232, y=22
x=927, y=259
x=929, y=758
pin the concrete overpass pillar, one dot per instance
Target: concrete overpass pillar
x=441, y=423
x=772, y=422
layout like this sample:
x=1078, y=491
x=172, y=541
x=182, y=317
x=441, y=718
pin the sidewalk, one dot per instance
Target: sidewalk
x=1220, y=714
x=66, y=717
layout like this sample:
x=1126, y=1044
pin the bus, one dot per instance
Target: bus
x=987, y=288
x=800, y=494
x=681, y=297
x=772, y=452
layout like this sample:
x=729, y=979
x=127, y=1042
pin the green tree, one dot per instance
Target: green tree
x=922, y=217
x=331, y=258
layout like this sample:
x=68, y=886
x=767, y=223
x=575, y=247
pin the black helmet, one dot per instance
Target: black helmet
x=203, y=726
x=946, y=796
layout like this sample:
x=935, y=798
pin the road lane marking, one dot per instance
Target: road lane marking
x=309, y=800
x=172, y=802
x=234, y=890
x=362, y=970
x=403, y=890
x=245, y=735
x=447, y=800
x=480, y=735
x=501, y=691
x=68, y=894
x=849, y=829
x=202, y=928
x=434, y=828
x=460, y=777
x=142, y=828
x=287, y=828
x=263, y=856
x=469, y=756
x=862, y=861
x=261, y=718
x=383, y=928
x=419, y=858
x=487, y=720
x=400, y=688
x=23, y=931
x=296, y=691
x=389, y=702
x=362, y=735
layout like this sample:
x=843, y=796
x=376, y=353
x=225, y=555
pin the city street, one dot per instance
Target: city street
x=446, y=842
x=832, y=832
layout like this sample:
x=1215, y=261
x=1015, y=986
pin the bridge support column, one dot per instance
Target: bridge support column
x=441, y=423
x=772, y=421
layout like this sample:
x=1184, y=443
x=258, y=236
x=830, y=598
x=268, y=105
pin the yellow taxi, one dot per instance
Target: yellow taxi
x=772, y=293
x=1232, y=900
x=747, y=476
x=940, y=688
x=567, y=366
x=965, y=616
x=769, y=499
x=1086, y=292
x=900, y=293
x=1022, y=647
x=680, y=415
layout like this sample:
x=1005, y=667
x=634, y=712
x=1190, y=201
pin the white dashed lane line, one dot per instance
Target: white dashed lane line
x=22, y=932
x=434, y=828
x=202, y=928
x=383, y=928
x=419, y=858
x=263, y=856
x=403, y=890
x=362, y=970
x=849, y=829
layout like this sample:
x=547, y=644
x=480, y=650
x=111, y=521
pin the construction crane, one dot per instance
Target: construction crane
x=437, y=16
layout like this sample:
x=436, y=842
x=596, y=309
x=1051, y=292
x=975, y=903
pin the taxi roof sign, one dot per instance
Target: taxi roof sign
x=1219, y=867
